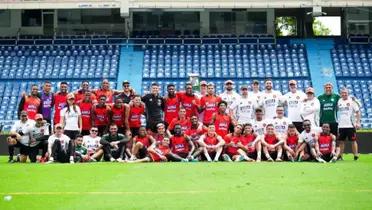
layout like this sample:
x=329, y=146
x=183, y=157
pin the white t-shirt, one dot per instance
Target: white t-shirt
x=37, y=132
x=244, y=109
x=310, y=110
x=257, y=95
x=71, y=118
x=294, y=102
x=281, y=125
x=229, y=97
x=91, y=143
x=25, y=128
x=346, y=110
x=259, y=127
x=308, y=137
x=63, y=139
x=269, y=101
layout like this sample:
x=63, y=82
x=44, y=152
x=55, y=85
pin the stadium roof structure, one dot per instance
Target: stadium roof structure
x=178, y=4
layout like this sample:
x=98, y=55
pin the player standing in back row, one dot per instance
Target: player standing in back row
x=328, y=107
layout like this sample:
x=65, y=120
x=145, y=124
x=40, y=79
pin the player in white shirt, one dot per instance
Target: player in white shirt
x=270, y=100
x=256, y=93
x=259, y=124
x=229, y=95
x=293, y=101
x=309, y=137
x=243, y=108
x=39, y=135
x=60, y=146
x=348, y=118
x=280, y=122
x=20, y=137
x=310, y=108
x=91, y=142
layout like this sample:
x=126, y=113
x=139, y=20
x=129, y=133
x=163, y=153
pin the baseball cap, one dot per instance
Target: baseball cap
x=310, y=90
x=328, y=84
x=229, y=82
x=203, y=82
x=244, y=87
x=126, y=82
x=292, y=82
x=38, y=116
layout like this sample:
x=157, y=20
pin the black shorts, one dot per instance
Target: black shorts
x=327, y=157
x=333, y=126
x=142, y=153
x=347, y=133
x=252, y=155
x=24, y=150
x=299, y=126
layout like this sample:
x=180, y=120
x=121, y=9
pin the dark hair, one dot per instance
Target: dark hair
x=155, y=84
x=112, y=124
x=268, y=79
x=258, y=110
x=291, y=126
x=171, y=85
x=63, y=83
x=271, y=125
x=306, y=121
x=47, y=82
x=78, y=136
x=222, y=102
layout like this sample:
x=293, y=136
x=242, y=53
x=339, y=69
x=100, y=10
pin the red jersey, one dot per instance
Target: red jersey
x=186, y=101
x=135, y=116
x=60, y=102
x=159, y=138
x=118, y=115
x=80, y=95
x=144, y=140
x=210, y=140
x=101, y=115
x=195, y=133
x=171, y=107
x=222, y=123
x=246, y=140
x=210, y=105
x=232, y=150
x=160, y=150
x=31, y=106
x=292, y=141
x=271, y=139
x=325, y=144
x=179, y=144
x=86, y=111
x=108, y=93
x=185, y=124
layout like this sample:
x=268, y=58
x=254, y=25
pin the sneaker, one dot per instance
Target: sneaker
x=112, y=160
x=291, y=158
x=270, y=160
x=49, y=162
x=120, y=160
x=226, y=158
x=320, y=160
x=356, y=157
x=333, y=160
x=11, y=160
x=194, y=160
x=92, y=160
x=72, y=162
x=258, y=160
x=278, y=160
x=184, y=160
x=240, y=158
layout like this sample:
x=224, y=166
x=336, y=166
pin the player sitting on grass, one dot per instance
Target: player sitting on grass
x=195, y=131
x=231, y=145
x=212, y=143
x=327, y=144
x=114, y=145
x=91, y=142
x=291, y=144
x=308, y=140
x=181, y=145
x=81, y=152
x=141, y=143
x=272, y=144
x=250, y=144
x=159, y=153
x=60, y=147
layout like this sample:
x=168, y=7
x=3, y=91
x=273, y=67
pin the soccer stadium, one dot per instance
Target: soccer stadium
x=211, y=104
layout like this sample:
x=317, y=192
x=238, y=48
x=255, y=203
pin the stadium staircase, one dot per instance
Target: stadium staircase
x=130, y=67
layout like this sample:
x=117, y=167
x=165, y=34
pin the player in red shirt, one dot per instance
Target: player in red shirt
x=160, y=152
x=181, y=145
x=86, y=106
x=30, y=103
x=209, y=104
x=137, y=109
x=140, y=144
x=106, y=91
x=80, y=94
x=182, y=120
x=119, y=114
x=60, y=102
x=231, y=144
x=100, y=115
x=189, y=100
x=160, y=134
x=212, y=143
x=194, y=132
x=272, y=144
x=250, y=144
x=221, y=120
x=291, y=145
x=171, y=104
x=326, y=144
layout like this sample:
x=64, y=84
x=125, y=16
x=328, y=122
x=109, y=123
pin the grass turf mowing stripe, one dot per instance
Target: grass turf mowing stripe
x=106, y=193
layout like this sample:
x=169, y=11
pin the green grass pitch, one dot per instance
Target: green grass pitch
x=344, y=185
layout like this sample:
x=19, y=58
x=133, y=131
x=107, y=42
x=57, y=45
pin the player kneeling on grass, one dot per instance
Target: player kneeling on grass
x=291, y=144
x=140, y=145
x=250, y=144
x=327, y=144
x=114, y=145
x=60, y=147
x=181, y=145
x=308, y=140
x=212, y=143
x=272, y=144
x=231, y=145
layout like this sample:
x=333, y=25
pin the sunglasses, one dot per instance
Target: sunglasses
x=94, y=130
x=70, y=99
x=23, y=115
x=59, y=128
x=125, y=85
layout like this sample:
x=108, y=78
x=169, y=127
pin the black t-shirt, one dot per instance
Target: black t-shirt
x=154, y=107
x=107, y=138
